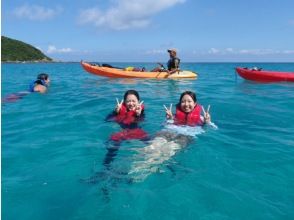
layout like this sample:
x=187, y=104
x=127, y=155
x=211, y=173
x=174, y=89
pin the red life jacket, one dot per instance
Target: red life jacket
x=192, y=118
x=126, y=117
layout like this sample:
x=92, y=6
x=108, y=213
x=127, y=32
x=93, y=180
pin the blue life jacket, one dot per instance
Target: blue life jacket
x=36, y=82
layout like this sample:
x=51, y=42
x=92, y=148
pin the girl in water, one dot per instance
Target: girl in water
x=177, y=134
x=127, y=113
x=188, y=111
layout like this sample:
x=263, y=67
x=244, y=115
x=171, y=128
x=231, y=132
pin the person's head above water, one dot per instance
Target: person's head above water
x=130, y=103
x=43, y=79
x=131, y=99
x=187, y=101
x=189, y=93
x=43, y=76
x=131, y=92
x=40, y=84
x=188, y=111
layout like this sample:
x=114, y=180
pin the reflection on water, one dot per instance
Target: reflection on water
x=162, y=148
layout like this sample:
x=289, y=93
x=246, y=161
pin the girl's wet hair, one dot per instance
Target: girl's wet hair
x=191, y=94
x=131, y=92
x=43, y=76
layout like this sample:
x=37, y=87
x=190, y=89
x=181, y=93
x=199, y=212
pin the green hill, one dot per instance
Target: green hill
x=14, y=50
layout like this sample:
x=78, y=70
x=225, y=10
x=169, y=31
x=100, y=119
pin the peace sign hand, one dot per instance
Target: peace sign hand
x=118, y=105
x=169, y=114
x=207, y=118
x=139, y=108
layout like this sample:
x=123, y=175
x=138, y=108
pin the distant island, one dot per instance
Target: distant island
x=18, y=51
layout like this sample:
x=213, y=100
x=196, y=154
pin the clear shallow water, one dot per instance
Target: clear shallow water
x=243, y=170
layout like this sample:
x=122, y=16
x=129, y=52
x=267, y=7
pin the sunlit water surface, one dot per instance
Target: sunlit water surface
x=53, y=144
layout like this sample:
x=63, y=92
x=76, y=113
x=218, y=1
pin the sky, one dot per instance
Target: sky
x=143, y=30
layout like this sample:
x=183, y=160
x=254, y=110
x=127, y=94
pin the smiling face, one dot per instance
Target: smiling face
x=187, y=103
x=131, y=102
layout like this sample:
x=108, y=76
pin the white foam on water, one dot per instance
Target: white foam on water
x=149, y=158
x=185, y=130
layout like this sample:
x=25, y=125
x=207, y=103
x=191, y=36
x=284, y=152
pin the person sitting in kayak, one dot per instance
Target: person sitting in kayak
x=188, y=111
x=127, y=113
x=39, y=85
x=173, y=64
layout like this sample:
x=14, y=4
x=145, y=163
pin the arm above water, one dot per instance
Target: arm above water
x=40, y=88
x=207, y=118
x=169, y=114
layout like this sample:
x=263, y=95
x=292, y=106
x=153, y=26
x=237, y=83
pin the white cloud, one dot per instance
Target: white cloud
x=230, y=50
x=52, y=49
x=156, y=51
x=213, y=51
x=244, y=51
x=126, y=14
x=258, y=51
x=288, y=52
x=36, y=12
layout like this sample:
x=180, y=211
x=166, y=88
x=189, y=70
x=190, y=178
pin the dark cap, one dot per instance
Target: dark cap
x=172, y=50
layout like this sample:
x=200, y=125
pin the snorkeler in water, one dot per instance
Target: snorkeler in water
x=39, y=85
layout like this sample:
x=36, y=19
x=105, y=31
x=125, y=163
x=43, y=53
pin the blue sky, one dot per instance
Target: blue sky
x=142, y=30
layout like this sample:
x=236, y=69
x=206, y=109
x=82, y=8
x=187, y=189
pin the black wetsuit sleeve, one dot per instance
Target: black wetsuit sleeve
x=141, y=117
x=110, y=116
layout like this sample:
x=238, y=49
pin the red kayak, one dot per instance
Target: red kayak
x=264, y=75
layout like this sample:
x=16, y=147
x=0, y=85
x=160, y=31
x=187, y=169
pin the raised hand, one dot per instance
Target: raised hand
x=118, y=105
x=139, y=108
x=169, y=114
x=207, y=118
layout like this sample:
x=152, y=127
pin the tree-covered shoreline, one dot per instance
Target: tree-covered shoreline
x=15, y=51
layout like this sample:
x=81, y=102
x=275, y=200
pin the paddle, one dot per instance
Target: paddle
x=162, y=66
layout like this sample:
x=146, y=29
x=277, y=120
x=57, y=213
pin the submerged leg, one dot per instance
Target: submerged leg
x=159, y=150
x=111, y=154
x=15, y=96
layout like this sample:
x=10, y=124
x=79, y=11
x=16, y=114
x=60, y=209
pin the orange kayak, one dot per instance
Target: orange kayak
x=121, y=73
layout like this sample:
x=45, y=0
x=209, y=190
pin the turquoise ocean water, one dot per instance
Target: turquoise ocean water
x=53, y=143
